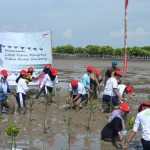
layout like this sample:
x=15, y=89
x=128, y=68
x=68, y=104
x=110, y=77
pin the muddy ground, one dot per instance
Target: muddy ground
x=61, y=135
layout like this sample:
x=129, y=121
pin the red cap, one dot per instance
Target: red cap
x=74, y=83
x=48, y=66
x=97, y=72
x=90, y=68
x=129, y=89
x=54, y=71
x=4, y=73
x=118, y=72
x=144, y=104
x=124, y=107
x=23, y=72
x=30, y=69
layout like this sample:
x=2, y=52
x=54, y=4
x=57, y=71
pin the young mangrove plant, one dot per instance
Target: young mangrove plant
x=67, y=122
x=92, y=107
x=32, y=102
x=48, y=100
x=58, y=88
x=12, y=131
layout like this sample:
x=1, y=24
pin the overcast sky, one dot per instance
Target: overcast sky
x=79, y=22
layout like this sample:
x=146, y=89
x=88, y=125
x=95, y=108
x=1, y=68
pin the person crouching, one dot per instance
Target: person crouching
x=77, y=93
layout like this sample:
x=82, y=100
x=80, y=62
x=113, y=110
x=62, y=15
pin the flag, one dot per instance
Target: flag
x=126, y=4
x=44, y=35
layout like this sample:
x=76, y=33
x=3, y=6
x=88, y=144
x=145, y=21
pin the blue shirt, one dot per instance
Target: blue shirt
x=86, y=81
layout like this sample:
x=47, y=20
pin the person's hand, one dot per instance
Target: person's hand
x=125, y=146
x=120, y=136
x=91, y=91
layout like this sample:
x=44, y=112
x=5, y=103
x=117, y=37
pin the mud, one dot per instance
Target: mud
x=63, y=134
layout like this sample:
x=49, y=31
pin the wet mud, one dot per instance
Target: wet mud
x=66, y=128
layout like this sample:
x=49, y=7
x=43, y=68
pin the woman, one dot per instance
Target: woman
x=112, y=130
x=49, y=81
x=21, y=90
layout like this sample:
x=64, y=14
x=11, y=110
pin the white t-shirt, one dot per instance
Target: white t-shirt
x=121, y=88
x=22, y=86
x=80, y=89
x=47, y=81
x=143, y=119
x=110, y=85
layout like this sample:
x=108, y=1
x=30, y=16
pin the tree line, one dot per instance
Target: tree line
x=102, y=50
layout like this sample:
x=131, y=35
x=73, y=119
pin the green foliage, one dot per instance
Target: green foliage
x=102, y=50
x=130, y=123
x=12, y=130
x=92, y=104
x=32, y=102
x=106, y=50
x=66, y=120
x=92, y=49
x=58, y=88
x=118, y=51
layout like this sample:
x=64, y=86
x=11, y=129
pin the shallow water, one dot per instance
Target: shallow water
x=31, y=136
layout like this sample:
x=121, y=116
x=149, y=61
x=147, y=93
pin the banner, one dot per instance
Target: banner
x=20, y=51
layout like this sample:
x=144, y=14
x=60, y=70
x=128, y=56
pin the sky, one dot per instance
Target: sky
x=79, y=22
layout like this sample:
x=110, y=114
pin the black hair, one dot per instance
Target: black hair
x=20, y=76
x=45, y=70
x=52, y=77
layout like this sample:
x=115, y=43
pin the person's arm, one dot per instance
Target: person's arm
x=117, y=94
x=77, y=97
x=131, y=135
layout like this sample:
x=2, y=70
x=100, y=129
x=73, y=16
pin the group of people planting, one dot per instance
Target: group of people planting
x=80, y=92
x=48, y=78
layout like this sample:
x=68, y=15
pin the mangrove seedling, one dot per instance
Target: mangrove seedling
x=92, y=107
x=12, y=131
x=58, y=88
x=32, y=102
x=48, y=100
x=67, y=122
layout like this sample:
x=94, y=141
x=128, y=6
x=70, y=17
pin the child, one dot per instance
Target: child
x=21, y=90
x=49, y=81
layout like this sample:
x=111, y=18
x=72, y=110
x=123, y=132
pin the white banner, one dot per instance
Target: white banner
x=23, y=50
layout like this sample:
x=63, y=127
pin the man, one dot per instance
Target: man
x=111, y=96
x=4, y=89
x=143, y=119
x=77, y=93
x=109, y=71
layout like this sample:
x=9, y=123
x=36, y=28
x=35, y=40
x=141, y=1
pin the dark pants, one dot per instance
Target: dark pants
x=145, y=144
x=20, y=97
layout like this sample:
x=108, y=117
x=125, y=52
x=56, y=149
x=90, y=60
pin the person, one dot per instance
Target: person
x=95, y=81
x=111, y=96
x=49, y=81
x=109, y=71
x=142, y=119
x=21, y=91
x=86, y=80
x=77, y=93
x=4, y=89
x=114, y=127
x=30, y=77
x=40, y=77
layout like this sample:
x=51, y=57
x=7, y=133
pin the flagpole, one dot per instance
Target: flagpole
x=51, y=44
x=125, y=37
